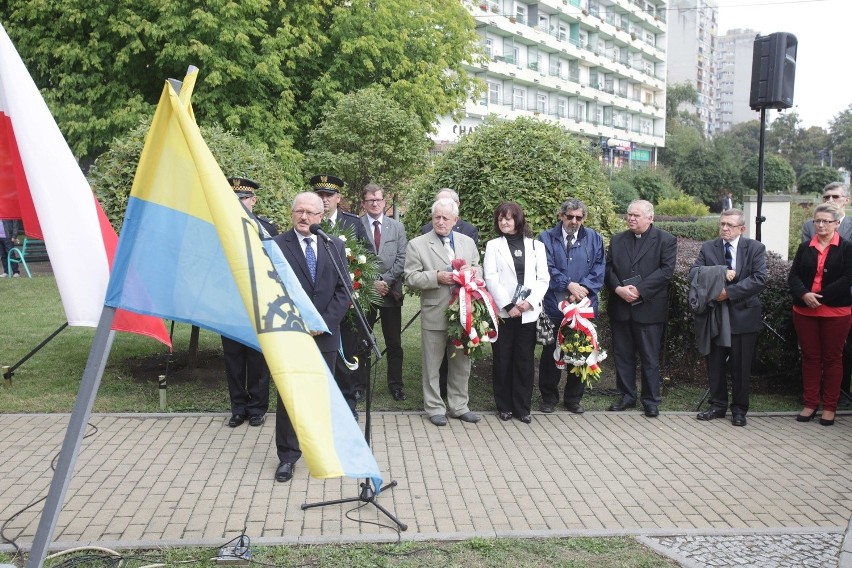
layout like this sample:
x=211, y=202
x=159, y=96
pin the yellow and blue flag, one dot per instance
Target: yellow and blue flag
x=190, y=252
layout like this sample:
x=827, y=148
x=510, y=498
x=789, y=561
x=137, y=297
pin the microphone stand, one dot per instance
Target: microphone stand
x=368, y=493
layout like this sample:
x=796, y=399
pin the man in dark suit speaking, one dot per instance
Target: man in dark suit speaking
x=746, y=276
x=316, y=273
x=639, y=267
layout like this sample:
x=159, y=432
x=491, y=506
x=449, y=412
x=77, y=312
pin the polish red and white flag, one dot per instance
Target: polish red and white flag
x=42, y=185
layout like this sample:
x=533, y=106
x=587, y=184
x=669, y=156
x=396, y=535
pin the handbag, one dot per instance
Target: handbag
x=545, y=333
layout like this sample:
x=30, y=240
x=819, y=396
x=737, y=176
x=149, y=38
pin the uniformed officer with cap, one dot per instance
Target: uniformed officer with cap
x=328, y=187
x=246, y=369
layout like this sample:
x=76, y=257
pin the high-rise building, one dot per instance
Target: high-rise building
x=692, y=54
x=733, y=67
x=596, y=67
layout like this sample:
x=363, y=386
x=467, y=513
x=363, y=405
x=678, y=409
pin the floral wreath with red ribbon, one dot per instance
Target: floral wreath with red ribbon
x=578, y=344
x=472, y=314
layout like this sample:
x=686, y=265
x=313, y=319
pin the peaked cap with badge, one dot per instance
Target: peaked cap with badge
x=326, y=183
x=243, y=187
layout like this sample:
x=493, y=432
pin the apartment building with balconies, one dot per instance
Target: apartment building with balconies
x=596, y=67
x=692, y=31
x=734, y=78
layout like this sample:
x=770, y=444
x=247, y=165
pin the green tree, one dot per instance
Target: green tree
x=840, y=131
x=797, y=145
x=705, y=169
x=533, y=163
x=651, y=184
x=815, y=178
x=743, y=138
x=111, y=176
x=778, y=174
x=368, y=137
x=268, y=69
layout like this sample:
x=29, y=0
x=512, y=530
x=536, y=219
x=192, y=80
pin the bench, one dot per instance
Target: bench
x=31, y=250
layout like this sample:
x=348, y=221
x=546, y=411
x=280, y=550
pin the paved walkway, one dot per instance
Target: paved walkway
x=776, y=493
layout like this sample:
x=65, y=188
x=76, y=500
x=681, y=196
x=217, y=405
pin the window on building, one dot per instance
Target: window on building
x=541, y=103
x=563, y=33
x=543, y=23
x=519, y=99
x=562, y=107
x=521, y=13
x=493, y=93
x=489, y=47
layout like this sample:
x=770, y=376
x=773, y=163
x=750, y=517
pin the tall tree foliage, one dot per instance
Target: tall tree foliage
x=268, y=69
x=533, y=163
x=778, y=174
x=840, y=129
x=368, y=137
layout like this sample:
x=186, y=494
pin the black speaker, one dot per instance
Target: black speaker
x=773, y=71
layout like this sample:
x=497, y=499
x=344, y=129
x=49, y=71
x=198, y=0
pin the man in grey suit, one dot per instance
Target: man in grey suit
x=427, y=269
x=745, y=279
x=639, y=268
x=388, y=239
x=314, y=268
x=837, y=193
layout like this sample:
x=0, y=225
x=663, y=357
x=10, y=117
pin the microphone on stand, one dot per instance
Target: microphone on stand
x=317, y=230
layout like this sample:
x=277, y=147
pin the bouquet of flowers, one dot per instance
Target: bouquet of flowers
x=472, y=314
x=577, y=341
x=363, y=267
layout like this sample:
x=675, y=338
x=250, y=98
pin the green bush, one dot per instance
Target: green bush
x=798, y=216
x=702, y=230
x=622, y=194
x=111, y=177
x=533, y=163
x=815, y=178
x=778, y=175
x=682, y=205
x=776, y=357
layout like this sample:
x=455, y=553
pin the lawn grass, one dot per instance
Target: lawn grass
x=615, y=552
x=48, y=381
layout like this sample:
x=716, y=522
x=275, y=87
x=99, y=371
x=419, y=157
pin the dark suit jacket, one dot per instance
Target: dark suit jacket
x=461, y=226
x=836, y=276
x=327, y=293
x=352, y=222
x=744, y=290
x=653, y=260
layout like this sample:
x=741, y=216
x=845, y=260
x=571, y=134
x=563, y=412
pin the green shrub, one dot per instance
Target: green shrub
x=533, y=163
x=702, y=230
x=683, y=205
x=622, y=194
x=798, y=216
x=111, y=177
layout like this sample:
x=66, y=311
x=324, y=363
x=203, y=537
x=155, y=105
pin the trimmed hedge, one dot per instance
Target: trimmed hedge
x=701, y=230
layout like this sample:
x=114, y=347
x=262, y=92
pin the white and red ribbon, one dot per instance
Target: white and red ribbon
x=577, y=316
x=469, y=289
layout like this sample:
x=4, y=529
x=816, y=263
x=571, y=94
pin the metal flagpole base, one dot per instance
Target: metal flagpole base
x=367, y=495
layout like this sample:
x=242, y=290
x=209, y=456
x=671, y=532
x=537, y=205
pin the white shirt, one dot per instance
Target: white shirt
x=302, y=241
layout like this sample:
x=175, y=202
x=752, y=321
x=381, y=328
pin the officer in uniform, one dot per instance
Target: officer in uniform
x=352, y=384
x=248, y=375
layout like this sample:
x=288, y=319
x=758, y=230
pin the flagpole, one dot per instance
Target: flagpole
x=73, y=436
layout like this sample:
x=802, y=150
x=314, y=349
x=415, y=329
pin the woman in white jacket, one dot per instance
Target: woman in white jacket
x=516, y=275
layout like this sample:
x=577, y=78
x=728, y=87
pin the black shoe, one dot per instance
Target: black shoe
x=256, y=420
x=575, y=407
x=526, y=419
x=739, y=419
x=355, y=414
x=651, y=411
x=547, y=408
x=622, y=404
x=504, y=416
x=358, y=395
x=397, y=394
x=284, y=473
x=806, y=418
x=711, y=413
x=236, y=420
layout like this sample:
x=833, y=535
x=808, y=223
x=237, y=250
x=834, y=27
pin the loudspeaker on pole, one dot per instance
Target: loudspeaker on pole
x=773, y=71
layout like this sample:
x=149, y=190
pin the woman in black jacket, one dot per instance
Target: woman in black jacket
x=822, y=311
